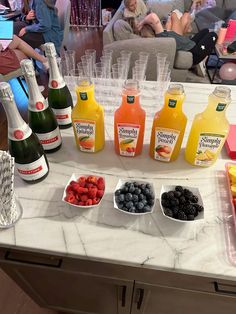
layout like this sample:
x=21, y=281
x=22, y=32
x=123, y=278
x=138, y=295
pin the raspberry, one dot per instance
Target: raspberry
x=100, y=193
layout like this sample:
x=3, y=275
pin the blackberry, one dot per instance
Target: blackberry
x=198, y=207
x=164, y=196
x=170, y=194
x=174, y=202
x=190, y=210
x=188, y=194
x=194, y=199
x=165, y=203
x=177, y=194
x=190, y=217
x=182, y=199
x=175, y=211
x=168, y=212
x=181, y=215
x=179, y=188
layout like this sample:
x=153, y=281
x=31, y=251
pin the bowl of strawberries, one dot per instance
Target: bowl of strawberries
x=84, y=191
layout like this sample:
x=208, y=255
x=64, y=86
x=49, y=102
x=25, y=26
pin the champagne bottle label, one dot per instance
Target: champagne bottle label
x=63, y=116
x=19, y=134
x=85, y=133
x=34, y=170
x=128, y=137
x=165, y=141
x=50, y=140
x=57, y=83
x=209, y=146
x=40, y=105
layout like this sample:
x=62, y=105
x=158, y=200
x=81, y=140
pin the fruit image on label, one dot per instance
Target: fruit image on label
x=85, y=134
x=128, y=137
x=208, y=147
x=165, y=140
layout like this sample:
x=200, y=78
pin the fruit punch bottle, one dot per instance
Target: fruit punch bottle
x=30, y=159
x=129, y=122
x=40, y=116
x=169, y=126
x=59, y=96
x=209, y=130
x=88, y=119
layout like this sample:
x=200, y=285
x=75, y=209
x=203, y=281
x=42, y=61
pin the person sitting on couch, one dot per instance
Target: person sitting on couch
x=200, y=45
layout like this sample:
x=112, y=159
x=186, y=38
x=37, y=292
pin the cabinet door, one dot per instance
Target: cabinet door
x=154, y=299
x=55, y=288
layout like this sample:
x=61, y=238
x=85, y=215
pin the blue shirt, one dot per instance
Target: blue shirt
x=47, y=23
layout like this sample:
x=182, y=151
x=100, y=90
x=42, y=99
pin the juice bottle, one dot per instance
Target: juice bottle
x=88, y=119
x=209, y=130
x=129, y=122
x=168, y=126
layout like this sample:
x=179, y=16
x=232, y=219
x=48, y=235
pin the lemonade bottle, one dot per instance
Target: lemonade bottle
x=88, y=119
x=168, y=126
x=209, y=130
x=129, y=122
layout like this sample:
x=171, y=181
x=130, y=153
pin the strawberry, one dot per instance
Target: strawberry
x=100, y=193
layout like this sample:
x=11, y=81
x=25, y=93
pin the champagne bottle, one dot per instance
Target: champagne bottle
x=59, y=96
x=30, y=159
x=40, y=116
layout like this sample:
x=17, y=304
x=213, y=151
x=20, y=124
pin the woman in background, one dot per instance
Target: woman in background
x=16, y=51
x=39, y=24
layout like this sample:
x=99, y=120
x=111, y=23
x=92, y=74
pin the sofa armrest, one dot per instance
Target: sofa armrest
x=108, y=30
x=150, y=45
x=183, y=60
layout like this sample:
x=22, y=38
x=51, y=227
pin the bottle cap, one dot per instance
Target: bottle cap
x=223, y=92
x=131, y=87
x=5, y=91
x=27, y=67
x=50, y=50
x=176, y=89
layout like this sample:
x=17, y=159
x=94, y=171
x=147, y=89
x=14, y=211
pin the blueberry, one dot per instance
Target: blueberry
x=147, y=208
x=140, y=205
x=131, y=188
x=150, y=202
x=120, y=205
x=141, y=197
x=148, y=186
x=118, y=192
x=135, y=184
x=127, y=184
x=124, y=189
x=125, y=209
x=129, y=204
x=120, y=198
x=128, y=197
x=144, y=202
x=136, y=197
x=143, y=186
x=147, y=192
x=137, y=191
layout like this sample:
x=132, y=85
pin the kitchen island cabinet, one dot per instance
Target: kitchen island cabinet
x=103, y=261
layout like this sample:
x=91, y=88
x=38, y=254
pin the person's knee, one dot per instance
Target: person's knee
x=122, y=30
x=153, y=18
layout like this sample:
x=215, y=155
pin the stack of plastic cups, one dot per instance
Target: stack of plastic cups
x=87, y=63
x=93, y=54
x=70, y=59
x=163, y=75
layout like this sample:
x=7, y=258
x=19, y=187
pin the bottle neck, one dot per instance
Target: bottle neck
x=216, y=106
x=17, y=128
x=56, y=80
x=85, y=95
x=36, y=100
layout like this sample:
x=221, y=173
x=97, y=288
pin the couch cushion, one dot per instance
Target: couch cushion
x=230, y=4
x=163, y=7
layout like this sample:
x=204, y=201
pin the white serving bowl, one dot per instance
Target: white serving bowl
x=120, y=183
x=75, y=177
x=195, y=191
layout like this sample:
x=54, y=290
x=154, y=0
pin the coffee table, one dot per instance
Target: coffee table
x=220, y=57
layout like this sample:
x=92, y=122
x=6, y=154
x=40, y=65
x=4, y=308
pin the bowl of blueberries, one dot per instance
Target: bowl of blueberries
x=181, y=203
x=134, y=197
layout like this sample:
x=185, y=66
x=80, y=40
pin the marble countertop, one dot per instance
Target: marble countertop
x=206, y=247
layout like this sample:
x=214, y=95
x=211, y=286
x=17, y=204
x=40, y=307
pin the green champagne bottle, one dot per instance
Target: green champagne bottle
x=30, y=159
x=59, y=96
x=40, y=116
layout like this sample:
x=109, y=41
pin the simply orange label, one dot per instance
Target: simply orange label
x=85, y=133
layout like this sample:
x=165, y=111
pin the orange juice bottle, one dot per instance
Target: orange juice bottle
x=209, y=130
x=88, y=119
x=129, y=122
x=168, y=126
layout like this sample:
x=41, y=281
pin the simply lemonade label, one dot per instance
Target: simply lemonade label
x=85, y=133
x=208, y=147
x=165, y=141
x=128, y=136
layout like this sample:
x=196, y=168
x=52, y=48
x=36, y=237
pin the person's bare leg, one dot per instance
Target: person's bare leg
x=21, y=45
x=168, y=25
x=176, y=24
x=153, y=20
x=186, y=22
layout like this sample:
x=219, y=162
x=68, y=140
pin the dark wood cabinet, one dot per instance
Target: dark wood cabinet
x=84, y=286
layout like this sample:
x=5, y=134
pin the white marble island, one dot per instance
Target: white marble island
x=205, y=248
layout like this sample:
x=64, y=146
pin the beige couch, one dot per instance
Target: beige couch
x=180, y=61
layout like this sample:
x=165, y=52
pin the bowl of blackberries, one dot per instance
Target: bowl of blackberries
x=181, y=203
x=134, y=197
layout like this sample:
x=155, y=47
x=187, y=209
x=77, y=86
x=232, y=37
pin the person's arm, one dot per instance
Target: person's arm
x=42, y=14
